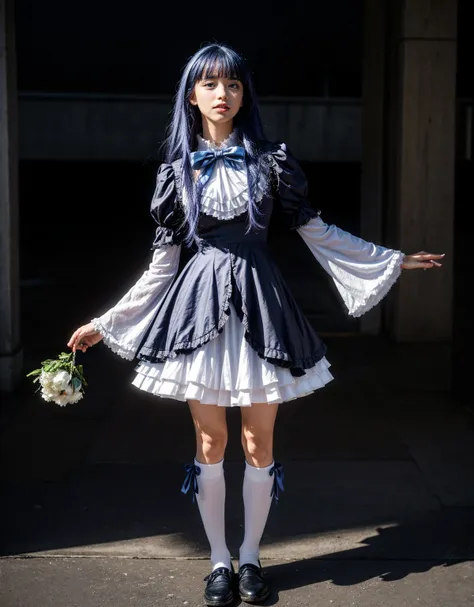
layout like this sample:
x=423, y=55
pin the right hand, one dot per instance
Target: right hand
x=84, y=337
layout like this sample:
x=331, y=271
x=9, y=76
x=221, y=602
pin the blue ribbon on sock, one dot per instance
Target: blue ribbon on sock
x=278, y=476
x=192, y=472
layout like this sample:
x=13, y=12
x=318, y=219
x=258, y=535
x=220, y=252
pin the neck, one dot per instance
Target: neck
x=216, y=132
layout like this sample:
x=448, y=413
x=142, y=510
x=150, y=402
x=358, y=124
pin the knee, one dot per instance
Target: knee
x=211, y=445
x=258, y=447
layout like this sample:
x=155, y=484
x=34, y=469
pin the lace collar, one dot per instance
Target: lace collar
x=205, y=144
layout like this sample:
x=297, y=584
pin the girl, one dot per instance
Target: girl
x=226, y=331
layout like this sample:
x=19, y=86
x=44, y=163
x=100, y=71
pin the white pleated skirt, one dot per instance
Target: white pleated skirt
x=227, y=372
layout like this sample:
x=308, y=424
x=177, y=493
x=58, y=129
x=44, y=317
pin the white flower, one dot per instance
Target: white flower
x=76, y=396
x=46, y=379
x=62, y=399
x=49, y=394
x=61, y=380
x=62, y=386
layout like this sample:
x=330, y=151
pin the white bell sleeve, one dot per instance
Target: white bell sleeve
x=124, y=325
x=362, y=272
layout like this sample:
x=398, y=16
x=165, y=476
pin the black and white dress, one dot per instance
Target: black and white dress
x=226, y=330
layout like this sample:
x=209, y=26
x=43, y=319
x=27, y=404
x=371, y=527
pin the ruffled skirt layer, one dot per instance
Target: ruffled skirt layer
x=228, y=372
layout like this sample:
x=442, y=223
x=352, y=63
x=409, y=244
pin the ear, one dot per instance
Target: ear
x=192, y=98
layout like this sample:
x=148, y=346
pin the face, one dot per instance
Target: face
x=218, y=99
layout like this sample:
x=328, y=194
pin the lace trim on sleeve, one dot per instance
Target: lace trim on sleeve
x=124, y=350
x=387, y=280
x=362, y=272
x=124, y=325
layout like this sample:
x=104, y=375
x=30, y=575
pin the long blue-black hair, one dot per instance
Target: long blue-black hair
x=215, y=61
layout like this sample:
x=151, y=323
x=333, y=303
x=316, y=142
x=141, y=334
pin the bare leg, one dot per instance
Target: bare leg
x=258, y=423
x=210, y=424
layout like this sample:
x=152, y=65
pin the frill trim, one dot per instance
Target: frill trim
x=186, y=347
x=282, y=359
x=387, y=280
x=126, y=351
x=191, y=380
x=305, y=215
x=278, y=357
x=165, y=237
x=271, y=355
x=212, y=145
x=228, y=209
x=232, y=208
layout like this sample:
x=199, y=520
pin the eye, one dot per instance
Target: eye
x=234, y=85
x=208, y=84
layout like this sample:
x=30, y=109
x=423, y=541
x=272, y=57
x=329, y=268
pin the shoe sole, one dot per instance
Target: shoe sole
x=219, y=603
x=255, y=601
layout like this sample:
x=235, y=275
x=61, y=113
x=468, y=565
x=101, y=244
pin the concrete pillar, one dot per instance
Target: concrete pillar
x=372, y=123
x=421, y=155
x=10, y=345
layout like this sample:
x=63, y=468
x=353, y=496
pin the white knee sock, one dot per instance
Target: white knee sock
x=256, y=491
x=211, y=503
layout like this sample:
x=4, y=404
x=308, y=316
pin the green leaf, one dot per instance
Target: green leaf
x=35, y=372
x=76, y=383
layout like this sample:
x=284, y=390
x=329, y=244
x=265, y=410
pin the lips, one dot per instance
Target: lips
x=221, y=106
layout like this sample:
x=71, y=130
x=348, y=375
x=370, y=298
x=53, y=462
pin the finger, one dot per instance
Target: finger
x=72, y=339
x=83, y=344
x=431, y=264
x=79, y=343
x=428, y=256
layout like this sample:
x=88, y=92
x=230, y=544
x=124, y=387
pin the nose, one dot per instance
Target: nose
x=221, y=92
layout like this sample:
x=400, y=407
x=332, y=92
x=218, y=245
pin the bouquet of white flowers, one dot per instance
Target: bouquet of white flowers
x=62, y=381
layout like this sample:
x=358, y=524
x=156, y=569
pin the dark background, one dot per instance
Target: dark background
x=88, y=222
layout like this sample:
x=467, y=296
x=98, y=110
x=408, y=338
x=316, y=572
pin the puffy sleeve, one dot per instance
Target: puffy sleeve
x=362, y=272
x=292, y=187
x=124, y=325
x=165, y=209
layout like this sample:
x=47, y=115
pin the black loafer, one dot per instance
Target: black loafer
x=252, y=587
x=220, y=587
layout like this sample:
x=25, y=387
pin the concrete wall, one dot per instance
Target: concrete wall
x=97, y=127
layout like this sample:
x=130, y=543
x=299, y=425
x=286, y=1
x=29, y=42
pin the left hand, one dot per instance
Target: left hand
x=422, y=259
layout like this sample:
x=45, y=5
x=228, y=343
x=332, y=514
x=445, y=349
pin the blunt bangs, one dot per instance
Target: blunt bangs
x=217, y=63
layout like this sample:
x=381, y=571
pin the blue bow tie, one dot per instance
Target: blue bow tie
x=204, y=161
